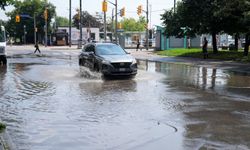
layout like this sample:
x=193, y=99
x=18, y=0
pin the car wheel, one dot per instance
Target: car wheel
x=96, y=68
x=4, y=61
x=80, y=62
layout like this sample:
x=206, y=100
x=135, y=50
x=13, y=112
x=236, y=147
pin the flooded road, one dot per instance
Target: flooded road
x=50, y=103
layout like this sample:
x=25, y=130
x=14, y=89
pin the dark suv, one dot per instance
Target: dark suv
x=108, y=58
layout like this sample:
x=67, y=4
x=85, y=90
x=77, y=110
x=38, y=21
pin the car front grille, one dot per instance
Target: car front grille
x=121, y=65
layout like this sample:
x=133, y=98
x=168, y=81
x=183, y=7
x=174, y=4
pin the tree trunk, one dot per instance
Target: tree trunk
x=246, y=49
x=214, y=42
x=236, y=41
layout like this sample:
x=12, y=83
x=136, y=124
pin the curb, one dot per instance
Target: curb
x=6, y=142
x=149, y=56
x=2, y=143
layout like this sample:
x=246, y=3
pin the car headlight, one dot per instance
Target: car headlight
x=134, y=61
x=105, y=62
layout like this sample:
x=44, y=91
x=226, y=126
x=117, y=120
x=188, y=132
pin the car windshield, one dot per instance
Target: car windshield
x=109, y=50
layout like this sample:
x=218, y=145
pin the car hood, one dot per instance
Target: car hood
x=3, y=44
x=118, y=58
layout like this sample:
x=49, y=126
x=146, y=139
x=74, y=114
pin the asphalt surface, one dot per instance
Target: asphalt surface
x=174, y=103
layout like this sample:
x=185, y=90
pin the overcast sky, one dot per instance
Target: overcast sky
x=92, y=6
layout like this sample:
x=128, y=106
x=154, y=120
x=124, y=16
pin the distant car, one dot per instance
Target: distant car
x=108, y=58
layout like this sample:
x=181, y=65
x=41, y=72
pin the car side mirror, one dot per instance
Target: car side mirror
x=127, y=52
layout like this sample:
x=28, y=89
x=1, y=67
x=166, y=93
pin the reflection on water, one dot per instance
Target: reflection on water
x=97, y=87
x=212, y=121
x=219, y=81
x=3, y=70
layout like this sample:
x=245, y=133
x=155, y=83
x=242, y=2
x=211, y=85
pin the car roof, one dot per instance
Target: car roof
x=96, y=44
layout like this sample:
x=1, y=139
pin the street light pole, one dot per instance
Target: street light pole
x=35, y=29
x=116, y=20
x=104, y=10
x=69, y=23
x=46, y=25
x=147, y=42
x=80, y=26
x=105, y=28
x=112, y=21
x=24, y=34
x=174, y=6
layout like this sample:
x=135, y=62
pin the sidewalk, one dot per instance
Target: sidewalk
x=150, y=55
x=42, y=47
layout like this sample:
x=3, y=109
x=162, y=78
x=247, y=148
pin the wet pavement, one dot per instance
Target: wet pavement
x=52, y=103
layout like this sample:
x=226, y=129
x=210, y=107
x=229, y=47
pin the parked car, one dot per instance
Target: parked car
x=108, y=58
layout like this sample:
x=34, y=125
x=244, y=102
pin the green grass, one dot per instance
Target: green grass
x=197, y=53
x=2, y=127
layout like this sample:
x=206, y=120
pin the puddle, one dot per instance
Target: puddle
x=51, y=103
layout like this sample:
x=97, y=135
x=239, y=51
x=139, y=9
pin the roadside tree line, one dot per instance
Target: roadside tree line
x=28, y=9
x=210, y=17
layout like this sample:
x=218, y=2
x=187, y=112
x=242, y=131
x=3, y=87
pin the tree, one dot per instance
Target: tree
x=246, y=22
x=29, y=8
x=232, y=14
x=174, y=22
x=87, y=20
x=204, y=17
x=210, y=17
x=130, y=24
x=4, y=3
x=62, y=21
x=2, y=22
x=236, y=18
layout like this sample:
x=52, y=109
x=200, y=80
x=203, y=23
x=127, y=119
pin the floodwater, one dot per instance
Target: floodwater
x=50, y=103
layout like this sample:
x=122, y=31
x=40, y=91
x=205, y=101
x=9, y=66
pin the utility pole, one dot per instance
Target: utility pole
x=113, y=22
x=35, y=29
x=46, y=25
x=147, y=42
x=24, y=34
x=80, y=26
x=104, y=10
x=174, y=6
x=69, y=23
x=150, y=22
x=116, y=20
x=105, y=28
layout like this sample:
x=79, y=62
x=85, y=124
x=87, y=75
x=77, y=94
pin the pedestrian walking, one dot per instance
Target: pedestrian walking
x=138, y=45
x=204, y=48
x=37, y=48
x=189, y=43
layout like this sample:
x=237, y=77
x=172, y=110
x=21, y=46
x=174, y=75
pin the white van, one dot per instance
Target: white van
x=3, y=58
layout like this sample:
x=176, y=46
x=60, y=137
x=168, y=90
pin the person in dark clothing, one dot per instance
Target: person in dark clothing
x=138, y=45
x=204, y=48
x=37, y=48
